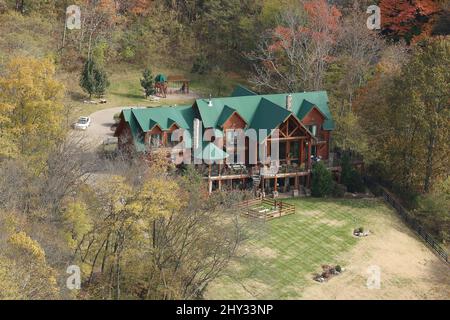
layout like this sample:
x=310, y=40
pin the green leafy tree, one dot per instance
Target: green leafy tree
x=147, y=82
x=322, y=181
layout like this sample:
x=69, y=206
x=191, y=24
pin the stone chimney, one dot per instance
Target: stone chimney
x=289, y=102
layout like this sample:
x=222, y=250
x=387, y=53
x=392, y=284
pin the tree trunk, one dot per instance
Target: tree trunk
x=429, y=164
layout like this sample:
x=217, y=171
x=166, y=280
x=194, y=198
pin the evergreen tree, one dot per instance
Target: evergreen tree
x=87, y=80
x=147, y=83
x=322, y=181
x=94, y=79
x=101, y=81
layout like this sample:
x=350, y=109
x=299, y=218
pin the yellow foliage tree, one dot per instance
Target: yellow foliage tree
x=30, y=107
x=25, y=270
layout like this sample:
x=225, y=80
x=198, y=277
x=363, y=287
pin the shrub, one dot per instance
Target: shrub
x=355, y=183
x=350, y=177
x=377, y=190
x=201, y=65
x=322, y=181
x=338, y=190
x=338, y=268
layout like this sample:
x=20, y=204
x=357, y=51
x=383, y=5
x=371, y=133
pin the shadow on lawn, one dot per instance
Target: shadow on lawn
x=133, y=96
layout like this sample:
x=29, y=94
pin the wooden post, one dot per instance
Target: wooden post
x=288, y=152
x=276, y=184
x=210, y=186
x=309, y=154
x=300, y=156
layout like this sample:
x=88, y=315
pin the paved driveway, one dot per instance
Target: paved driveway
x=100, y=128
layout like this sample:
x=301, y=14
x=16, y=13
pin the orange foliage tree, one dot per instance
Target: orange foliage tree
x=408, y=19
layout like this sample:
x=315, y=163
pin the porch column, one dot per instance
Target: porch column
x=309, y=154
x=288, y=152
x=300, y=155
x=210, y=186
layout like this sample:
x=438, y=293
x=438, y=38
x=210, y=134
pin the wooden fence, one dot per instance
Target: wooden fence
x=278, y=208
x=413, y=223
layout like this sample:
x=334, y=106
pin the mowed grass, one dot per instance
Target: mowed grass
x=125, y=89
x=279, y=260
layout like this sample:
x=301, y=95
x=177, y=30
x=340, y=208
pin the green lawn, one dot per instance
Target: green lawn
x=125, y=89
x=279, y=260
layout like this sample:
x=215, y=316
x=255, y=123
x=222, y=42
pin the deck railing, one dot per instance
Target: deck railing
x=278, y=208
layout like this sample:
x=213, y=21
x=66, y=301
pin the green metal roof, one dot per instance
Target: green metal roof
x=160, y=78
x=258, y=111
x=247, y=107
x=227, y=112
x=241, y=91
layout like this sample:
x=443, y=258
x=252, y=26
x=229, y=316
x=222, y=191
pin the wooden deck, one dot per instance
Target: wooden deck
x=265, y=209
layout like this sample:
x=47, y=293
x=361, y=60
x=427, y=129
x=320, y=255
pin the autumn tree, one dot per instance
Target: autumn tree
x=407, y=19
x=30, y=106
x=357, y=52
x=427, y=78
x=163, y=238
x=24, y=270
x=295, y=55
x=409, y=128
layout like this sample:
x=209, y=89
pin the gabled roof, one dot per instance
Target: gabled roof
x=241, y=91
x=268, y=115
x=227, y=112
x=306, y=107
x=164, y=117
x=258, y=111
x=247, y=107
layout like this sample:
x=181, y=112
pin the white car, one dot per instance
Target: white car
x=83, y=123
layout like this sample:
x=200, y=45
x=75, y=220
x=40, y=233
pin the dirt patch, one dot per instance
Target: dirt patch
x=408, y=269
x=261, y=253
x=266, y=253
